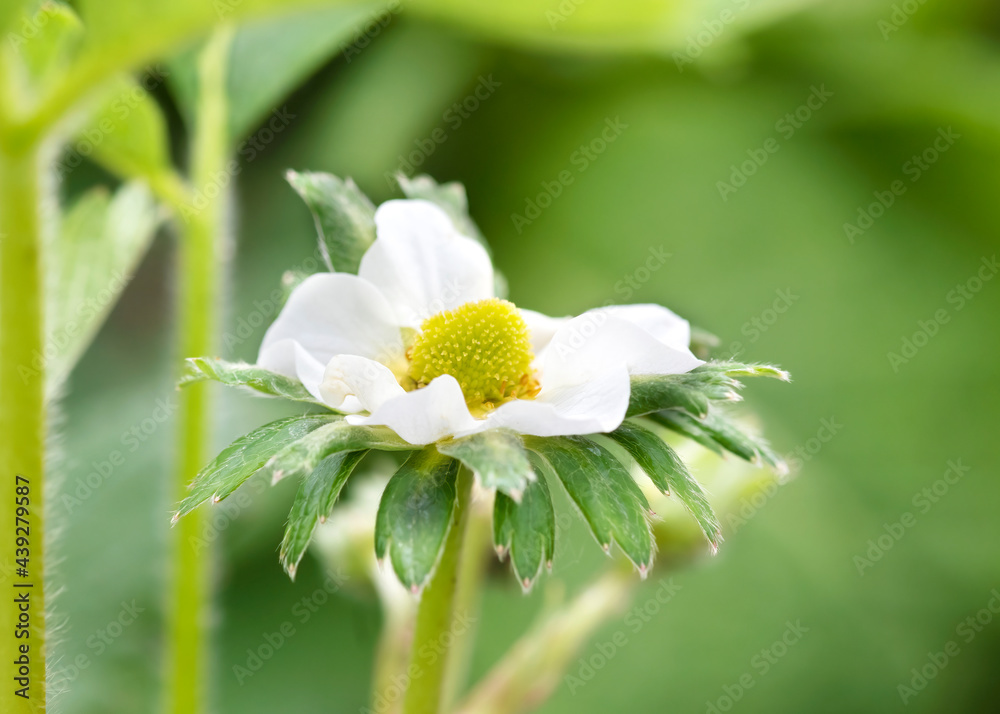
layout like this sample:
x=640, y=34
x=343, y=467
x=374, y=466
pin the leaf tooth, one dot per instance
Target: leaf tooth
x=606, y=547
x=414, y=589
x=502, y=551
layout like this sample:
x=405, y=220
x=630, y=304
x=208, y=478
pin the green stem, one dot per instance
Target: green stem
x=202, y=231
x=22, y=417
x=534, y=666
x=436, y=615
x=476, y=553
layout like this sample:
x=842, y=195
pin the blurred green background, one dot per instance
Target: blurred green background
x=780, y=236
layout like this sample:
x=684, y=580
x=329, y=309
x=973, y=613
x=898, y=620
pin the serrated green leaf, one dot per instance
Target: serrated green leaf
x=92, y=259
x=247, y=455
x=301, y=457
x=668, y=472
x=652, y=393
x=415, y=515
x=345, y=218
x=604, y=491
x=688, y=426
x=127, y=133
x=239, y=374
x=526, y=530
x=313, y=504
x=747, y=446
x=497, y=457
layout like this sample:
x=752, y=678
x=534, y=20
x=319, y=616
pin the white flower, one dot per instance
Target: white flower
x=417, y=342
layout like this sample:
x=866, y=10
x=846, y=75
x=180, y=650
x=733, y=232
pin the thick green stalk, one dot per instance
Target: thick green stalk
x=22, y=426
x=437, y=617
x=201, y=234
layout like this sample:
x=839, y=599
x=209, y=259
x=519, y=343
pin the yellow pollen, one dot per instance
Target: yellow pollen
x=484, y=345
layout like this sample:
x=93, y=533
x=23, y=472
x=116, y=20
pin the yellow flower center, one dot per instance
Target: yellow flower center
x=484, y=345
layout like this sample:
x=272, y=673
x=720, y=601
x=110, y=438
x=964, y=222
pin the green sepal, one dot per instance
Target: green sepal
x=651, y=393
x=686, y=425
x=604, y=491
x=314, y=503
x=301, y=457
x=497, y=457
x=669, y=474
x=245, y=456
x=345, y=217
x=415, y=515
x=526, y=530
x=239, y=374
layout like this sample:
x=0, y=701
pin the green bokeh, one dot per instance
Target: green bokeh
x=654, y=187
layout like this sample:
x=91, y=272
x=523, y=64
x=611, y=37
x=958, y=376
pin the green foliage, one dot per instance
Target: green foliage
x=313, y=504
x=93, y=258
x=604, y=491
x=669, y=474
x=498, y=459
x=268, y=60
x=345, y=218
x=245, y=456
x=415, y=515
x=239, y=374
x=526, y=530
x=301, y=457
x=128, y=132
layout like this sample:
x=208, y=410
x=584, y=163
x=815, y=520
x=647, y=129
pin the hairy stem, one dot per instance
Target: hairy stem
x=437, y=616
x=202, y=232
x=22, y=423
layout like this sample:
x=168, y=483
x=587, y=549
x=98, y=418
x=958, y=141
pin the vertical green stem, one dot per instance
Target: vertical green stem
x=201, y=234
x=436, y=614
x=22, y=422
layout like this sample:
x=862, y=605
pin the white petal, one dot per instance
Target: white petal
x=596, y=342
x=595, y=406
x=422, y=264
x=426, y=415
x=661, y=323
x=349, y=375
x=542, y=328
x=337, y=313
x=289, y=358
